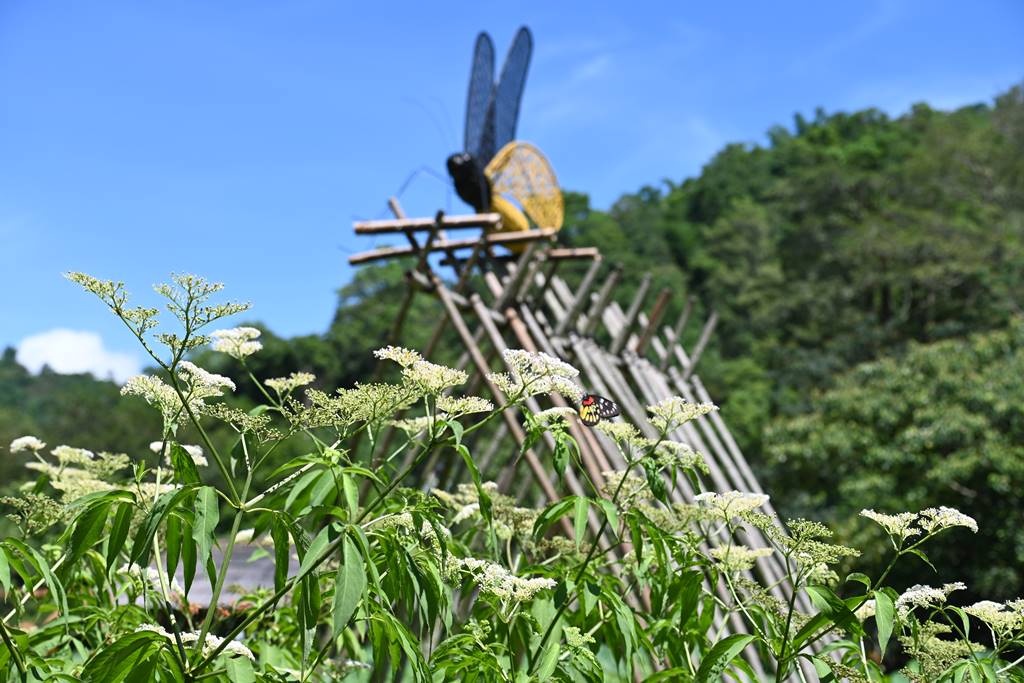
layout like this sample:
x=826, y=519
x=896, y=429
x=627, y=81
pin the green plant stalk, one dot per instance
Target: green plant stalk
x=328, y=552
x=781, y=668
x=15, y=652
x=211, y=611
x=579, y=573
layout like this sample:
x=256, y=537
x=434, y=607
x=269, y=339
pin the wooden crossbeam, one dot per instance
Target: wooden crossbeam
x=463, y=222
x=492, y=239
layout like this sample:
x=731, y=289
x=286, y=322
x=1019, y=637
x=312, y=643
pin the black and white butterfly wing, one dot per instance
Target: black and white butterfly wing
x=481, y=96
x=508, y=93
x=594, y=408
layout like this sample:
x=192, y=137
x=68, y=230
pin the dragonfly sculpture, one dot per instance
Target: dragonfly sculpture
x=496, y=172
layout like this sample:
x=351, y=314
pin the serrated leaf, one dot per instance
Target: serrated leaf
x=239, y=670
x=119, y=532
x=315, y=551
x=719, y=656
x=185, y=470
x=204, y=525
x=580, y=519
x=348, y=586
x=885, y=615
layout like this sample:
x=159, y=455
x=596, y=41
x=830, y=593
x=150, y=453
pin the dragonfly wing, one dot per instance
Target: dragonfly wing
x=520, y=172
x=509, y=91
x=481, y=94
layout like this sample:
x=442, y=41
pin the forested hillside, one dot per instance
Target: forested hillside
x=846, y=239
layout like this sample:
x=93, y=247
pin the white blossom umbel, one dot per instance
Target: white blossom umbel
x=936, y=519
x=27, y=443
x=671, y=413
x=503, y=584
x=925, y=596
x=731, y=503
x=536, y=373
x=237, y=342
x=402, y=356
x=212, y=642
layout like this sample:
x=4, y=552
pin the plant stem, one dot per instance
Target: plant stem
x=328, y=551
x=579, y=574
x=211, y=610
x=15, y=652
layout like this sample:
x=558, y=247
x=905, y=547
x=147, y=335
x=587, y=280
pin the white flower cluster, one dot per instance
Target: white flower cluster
x=669, y=414
x=150, y=575
x=553, y=415
x=237, y=342
x=925, y=596
x=195, y=452
x=536, y=373
x=69, y=455
x=203, y=383
x=904, y=525
x=27, y=443
x=234, y=648
x=503, y=584
x=900, y=525
x=738, y=558
x=1003, y=618
x=412, y=426
x=621, y=432
x=432, y=378
x=283, y=385
x=158, y=394
x=936, y=519
x=677, y=454
x=402, y=356
x=731, y=503
x=464, y=405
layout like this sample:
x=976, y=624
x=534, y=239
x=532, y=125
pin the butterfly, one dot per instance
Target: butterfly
x=594, y=408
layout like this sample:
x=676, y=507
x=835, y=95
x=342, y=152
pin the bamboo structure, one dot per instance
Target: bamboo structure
x=523, y=303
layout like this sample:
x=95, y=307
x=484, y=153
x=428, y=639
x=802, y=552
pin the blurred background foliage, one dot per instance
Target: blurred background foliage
x=867, y=272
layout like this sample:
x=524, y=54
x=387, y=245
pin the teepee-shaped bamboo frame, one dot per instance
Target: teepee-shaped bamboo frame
x=525, y=304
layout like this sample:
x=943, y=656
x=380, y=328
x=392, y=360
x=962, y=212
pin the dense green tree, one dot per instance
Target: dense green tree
x=942, y=424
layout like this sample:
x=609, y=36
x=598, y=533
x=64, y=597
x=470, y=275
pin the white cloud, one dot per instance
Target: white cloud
x=73, y=351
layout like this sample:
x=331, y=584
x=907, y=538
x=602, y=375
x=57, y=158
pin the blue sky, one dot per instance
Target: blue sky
x=239, y=140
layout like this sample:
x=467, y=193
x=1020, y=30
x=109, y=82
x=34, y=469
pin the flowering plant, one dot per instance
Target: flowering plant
x=386, y=566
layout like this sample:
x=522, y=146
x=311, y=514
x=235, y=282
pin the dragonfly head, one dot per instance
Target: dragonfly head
x=470, y=182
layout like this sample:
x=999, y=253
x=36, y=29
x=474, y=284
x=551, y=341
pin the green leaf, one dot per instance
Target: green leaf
x=282, y=548
x=5, y=571
x=204, y=526
x=188, y=555
x=143, y=544
x=859, y=578
x=718, y=658
x=348, y=485
x=548, y=661
x=88, y=529
x=580, y=522
x=885, y=615
x=552, y=514
x=835, y=609
x=315, y=551
x=239, y=670
x=924, y=558
x=42, y=567
x=119, y=532
x=172, y=538
x=689, y=595
x=611, y=513
x=185, y=470
x=115, y=662
x=348, y=586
